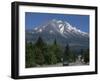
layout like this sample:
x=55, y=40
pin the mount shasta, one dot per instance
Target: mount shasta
x=60, y=30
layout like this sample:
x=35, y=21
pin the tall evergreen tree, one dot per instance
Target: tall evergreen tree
x=57, y=51
x=29, y=57
x=39, y=42
x=86, y=56
x=53, y=54
x=39, y=58
x=66, y=56
x=55, y=42
x=39, y=51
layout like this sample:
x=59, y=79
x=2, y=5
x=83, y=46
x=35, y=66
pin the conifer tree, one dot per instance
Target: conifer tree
x=39, y=43
x=29, y=57
x=39, y=51
x=86, y=56
x=39, y=58
x=66, y=56
x=57, y=51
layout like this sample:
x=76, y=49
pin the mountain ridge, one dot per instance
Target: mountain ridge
x=60, y=30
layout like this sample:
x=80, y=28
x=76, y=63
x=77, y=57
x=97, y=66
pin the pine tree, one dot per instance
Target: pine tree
x=39, y=43
x=73, y=57
x=53, y=54
x=57, y=51
x=55, y=42
x=50, y=57
x=39, y=58
x=39, y=51
x=29, y=56
x=66, y=56
x=86, y=56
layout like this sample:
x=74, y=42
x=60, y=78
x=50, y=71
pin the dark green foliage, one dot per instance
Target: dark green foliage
x=86, y=56
x=82, y=52
x=68, y=55
x=57, y=51
x=50, y=57
x=39, y=43
x=72, y=57
x=40, y=53
x=30, y=61
x=53, y=53
x=39, y=58
x=34, y=53
x=55, y=42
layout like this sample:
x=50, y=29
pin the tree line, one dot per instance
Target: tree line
x=40, y=53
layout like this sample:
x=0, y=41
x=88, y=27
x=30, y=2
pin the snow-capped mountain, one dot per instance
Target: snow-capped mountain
x=60, y=30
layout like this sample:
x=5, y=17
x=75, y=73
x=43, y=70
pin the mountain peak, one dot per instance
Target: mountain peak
x=60, y=26
x=63, y=26
x=60, y=30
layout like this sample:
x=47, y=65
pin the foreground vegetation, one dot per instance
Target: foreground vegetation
x=40, y=53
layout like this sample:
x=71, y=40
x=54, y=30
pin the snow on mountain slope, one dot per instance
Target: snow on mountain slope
x=60, y=26
x=60, y=30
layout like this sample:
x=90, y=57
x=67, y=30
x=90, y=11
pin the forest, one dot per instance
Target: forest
x=40, y=53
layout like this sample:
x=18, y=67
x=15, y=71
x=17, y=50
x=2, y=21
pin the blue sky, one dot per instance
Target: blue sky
x=35, y=19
